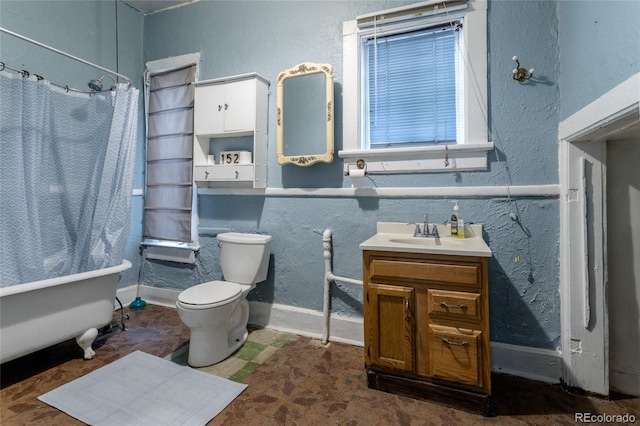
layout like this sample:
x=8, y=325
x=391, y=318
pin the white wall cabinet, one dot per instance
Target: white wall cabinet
x=230, y=114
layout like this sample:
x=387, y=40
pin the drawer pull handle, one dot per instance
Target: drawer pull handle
x=449, y=342
x=448, y=306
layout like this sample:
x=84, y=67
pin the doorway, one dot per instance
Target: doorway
x=600, y=242
x=623, y=266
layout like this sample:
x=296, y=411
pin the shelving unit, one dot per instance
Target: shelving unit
x=230, y=114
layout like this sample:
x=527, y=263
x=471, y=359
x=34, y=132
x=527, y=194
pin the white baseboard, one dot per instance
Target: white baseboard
x=154, y=295
x=531, y=363
x=543, y=365
x=306, y=322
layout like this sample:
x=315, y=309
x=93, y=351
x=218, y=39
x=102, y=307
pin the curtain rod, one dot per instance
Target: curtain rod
x=26, y=73
x=68, y=55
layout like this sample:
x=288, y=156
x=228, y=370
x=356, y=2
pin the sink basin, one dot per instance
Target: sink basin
x=429, y=242
x=398, y=236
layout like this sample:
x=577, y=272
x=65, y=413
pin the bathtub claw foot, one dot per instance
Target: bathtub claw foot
x=85, y=340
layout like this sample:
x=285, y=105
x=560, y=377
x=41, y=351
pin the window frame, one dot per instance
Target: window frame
x=472, y=147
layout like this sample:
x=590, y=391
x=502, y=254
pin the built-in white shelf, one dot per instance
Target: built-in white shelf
x=230, y=115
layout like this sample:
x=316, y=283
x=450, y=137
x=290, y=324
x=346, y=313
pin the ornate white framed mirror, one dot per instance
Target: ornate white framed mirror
x=304, y=114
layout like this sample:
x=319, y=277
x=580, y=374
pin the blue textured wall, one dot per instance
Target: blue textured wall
x=599, y=49
x=555, y=38
x=267, y=37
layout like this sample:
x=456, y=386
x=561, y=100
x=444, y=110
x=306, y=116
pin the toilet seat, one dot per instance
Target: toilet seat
x=209, y=295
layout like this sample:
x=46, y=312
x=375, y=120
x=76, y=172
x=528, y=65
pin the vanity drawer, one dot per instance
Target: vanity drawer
x=454, y=304
x=456, y=354
x=459, y=274
x=228, y=173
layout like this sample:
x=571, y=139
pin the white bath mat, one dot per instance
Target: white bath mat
x=141, y=389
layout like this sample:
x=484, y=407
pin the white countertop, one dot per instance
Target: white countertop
x=395, y=236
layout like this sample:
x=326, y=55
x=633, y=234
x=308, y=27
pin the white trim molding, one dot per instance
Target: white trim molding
x=545, y=191
x=440, y=158
x=531, y=363
x=306, y=322
x=471, y=151
x=543, y=365
x=167, y=64
x=611, y=113
x=583, y=276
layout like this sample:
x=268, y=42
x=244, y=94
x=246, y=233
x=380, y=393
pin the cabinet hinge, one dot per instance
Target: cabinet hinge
x=408, y=309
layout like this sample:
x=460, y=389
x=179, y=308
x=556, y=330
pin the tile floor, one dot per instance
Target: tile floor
x=291, y=381
x=260, y=345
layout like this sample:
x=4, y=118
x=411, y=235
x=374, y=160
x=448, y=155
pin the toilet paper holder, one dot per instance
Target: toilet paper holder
x=359, y=165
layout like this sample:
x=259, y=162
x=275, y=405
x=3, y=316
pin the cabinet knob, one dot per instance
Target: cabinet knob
x=206, y=175
x=220, y=108
x=226, y=107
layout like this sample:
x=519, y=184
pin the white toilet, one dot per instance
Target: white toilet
x=217, y=312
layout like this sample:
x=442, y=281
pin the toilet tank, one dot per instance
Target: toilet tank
x=244, y=258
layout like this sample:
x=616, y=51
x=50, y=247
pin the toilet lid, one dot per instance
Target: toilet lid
x=212, y=292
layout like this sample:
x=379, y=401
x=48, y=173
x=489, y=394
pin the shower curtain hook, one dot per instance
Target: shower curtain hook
x=2, y=63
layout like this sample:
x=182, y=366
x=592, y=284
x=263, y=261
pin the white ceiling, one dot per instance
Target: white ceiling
x=150, y=6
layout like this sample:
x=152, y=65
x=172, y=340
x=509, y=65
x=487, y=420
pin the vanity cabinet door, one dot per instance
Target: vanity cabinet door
x=389, y=326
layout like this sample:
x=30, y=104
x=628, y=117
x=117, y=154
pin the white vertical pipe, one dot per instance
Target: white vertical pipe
x=326, y=244
x=329, y=277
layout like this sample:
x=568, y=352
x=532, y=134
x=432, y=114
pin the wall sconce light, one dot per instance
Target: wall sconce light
x=521, y=74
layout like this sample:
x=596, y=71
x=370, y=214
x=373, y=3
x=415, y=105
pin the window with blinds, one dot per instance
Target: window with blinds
x=411, y=87
x=416, y=78
x=169, y=192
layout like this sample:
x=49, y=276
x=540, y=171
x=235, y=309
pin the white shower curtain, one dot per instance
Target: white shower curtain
x=66, y=176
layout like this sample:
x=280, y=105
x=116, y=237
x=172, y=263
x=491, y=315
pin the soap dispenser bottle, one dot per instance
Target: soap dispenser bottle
x=457, y=223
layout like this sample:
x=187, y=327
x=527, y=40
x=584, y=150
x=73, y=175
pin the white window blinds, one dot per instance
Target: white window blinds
x=168, y=191
x=411, y=86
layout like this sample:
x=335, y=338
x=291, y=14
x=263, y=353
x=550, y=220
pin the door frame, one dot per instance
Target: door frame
x=583, y=245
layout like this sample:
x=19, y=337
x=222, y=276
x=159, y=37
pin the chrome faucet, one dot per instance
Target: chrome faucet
x=425, y=229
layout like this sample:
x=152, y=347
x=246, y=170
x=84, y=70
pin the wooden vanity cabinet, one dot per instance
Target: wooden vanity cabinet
x=426, y=327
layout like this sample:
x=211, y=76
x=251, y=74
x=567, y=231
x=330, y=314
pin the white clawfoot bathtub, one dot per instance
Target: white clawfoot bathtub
x=39, y=314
